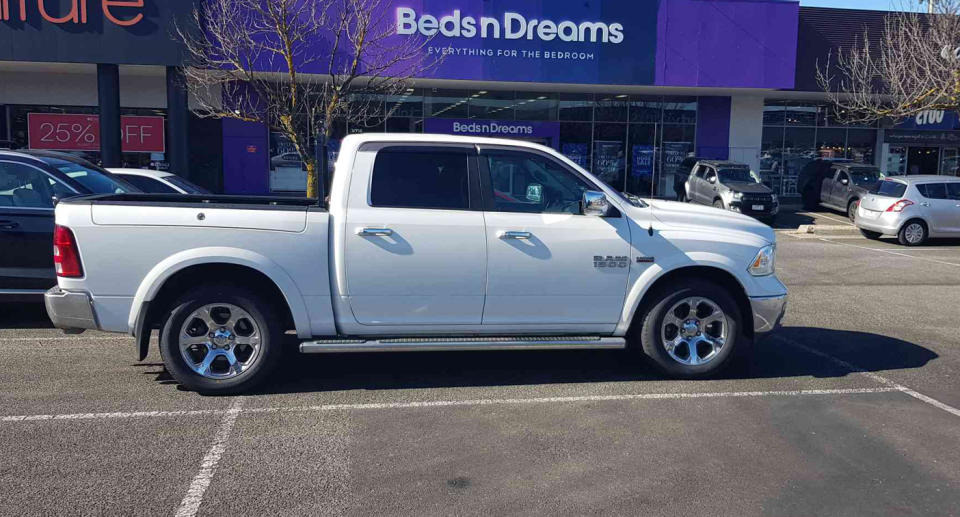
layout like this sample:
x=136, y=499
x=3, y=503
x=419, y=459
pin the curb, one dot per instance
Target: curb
x=817, y=228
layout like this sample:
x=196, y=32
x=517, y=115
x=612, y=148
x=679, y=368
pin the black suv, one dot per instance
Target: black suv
x=31, y=182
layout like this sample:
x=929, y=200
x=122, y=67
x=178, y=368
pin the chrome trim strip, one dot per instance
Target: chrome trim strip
x=461, y=344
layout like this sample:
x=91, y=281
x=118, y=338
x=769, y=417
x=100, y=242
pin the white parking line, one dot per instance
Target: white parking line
x=448, y=403
x=208, y=467
x=874, y=376
x=891, y=252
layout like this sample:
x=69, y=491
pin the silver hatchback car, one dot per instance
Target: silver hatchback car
x=912, y=208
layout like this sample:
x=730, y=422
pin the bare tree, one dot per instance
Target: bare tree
x=911, y=67
x=298, y=66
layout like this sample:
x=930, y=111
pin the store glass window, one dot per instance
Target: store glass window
x=771, y=157
x=680, y=110
x=612, y=107
x=575, y=142
x=642, y=154
x=949, y=164
x=536, y=106
x=800, y=114
x=646, y=109
x=799, y=149
x=831, y=143
x=861, y=144
x=609, y=153
x=774, y=113
x=496, y=105
x=403, y=125
x=676, y=146
x=406, y=104
x=447, y=103
x=575, y=106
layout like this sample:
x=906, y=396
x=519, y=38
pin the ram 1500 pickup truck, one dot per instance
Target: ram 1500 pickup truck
x=430, y=242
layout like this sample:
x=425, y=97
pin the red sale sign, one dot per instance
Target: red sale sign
x=65, y=132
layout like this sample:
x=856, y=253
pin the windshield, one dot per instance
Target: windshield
x=889, y=188
x=865, y=177
x=95, y=180
x=741, y=175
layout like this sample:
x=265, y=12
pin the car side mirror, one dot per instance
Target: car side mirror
x=712, y=180
x=594, y=203
x=845, y=181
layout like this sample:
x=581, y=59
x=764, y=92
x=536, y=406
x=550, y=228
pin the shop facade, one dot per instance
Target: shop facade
x=627, y=90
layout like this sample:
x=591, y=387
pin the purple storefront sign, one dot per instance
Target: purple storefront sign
x=548, y=132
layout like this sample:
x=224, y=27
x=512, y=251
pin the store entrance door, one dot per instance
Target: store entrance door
x=923, y=160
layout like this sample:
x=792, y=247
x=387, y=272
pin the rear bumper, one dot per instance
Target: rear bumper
x=70, y=310
x=887, y=223
x=768, y=312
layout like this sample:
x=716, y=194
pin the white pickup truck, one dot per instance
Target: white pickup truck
x=430, y=242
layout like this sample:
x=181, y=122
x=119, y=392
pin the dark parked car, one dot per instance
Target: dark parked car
x=844, y=189
x=811, y=176
x=31, y=182
x=732, y=186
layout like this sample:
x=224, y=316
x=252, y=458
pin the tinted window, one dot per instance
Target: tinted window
x=148, y=184
x=843, y=176
x=429, y=178
x=889, y=188
x=525, y=182
x=864, y=176
x=933, y=190
x=737, y=174
x=701, y=170
x=95, y=180
x=953, y=190
x=24, y=186
x=188, y=187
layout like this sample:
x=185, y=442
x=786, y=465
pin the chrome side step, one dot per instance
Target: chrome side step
x=425, y=344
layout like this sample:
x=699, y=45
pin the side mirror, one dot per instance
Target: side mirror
x=594, y=203
x=844, y=181
x=712, y=179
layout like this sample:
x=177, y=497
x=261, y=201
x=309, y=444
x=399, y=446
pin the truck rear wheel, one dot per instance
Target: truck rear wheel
x=220, y=339
x=692, y=329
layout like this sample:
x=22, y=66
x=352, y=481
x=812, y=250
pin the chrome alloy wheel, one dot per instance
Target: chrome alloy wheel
x=220, y=341
x=694, y=331
x=913, y=233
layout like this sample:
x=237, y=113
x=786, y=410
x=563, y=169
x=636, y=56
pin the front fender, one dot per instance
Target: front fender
x=154, y=280
x=641, y=285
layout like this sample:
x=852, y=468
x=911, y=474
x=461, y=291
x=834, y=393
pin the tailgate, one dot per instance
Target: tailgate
x=283, y=219
x=877, y=203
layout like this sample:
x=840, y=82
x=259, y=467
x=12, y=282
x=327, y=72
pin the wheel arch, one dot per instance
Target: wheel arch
x=176, y=273
x=708, y=273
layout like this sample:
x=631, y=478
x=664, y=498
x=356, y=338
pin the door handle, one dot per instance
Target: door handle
x=515, y=235
x=374, y=232
x=9, y=225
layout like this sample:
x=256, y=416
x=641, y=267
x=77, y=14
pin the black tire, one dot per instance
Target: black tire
x=870, y=235
x=852, y=210
x=264, y=317
x=811, y=200
x=663, y=301
x=718, y=203
x=902, y=235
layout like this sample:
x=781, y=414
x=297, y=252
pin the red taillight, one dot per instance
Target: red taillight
x=66, y=257
x=899, y=205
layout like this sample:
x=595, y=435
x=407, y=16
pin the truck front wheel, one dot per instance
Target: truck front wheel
x=220, y=339
x=692, y=329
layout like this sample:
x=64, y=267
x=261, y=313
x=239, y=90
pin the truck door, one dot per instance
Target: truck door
x=415, y=250
x=547, y=263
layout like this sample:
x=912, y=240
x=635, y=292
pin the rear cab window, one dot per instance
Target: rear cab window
x=889, y=188
x=428, y=177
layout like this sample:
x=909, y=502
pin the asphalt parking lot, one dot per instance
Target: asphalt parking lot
x=850, y=409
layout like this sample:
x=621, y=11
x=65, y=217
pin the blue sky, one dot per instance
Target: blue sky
x=886, y=5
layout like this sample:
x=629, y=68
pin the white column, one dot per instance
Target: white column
x=746, y=129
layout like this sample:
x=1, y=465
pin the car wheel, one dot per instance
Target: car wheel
x=718, y=203
x=914, y=233
x=691, y=330
x=852, y=210
x=870, y=235
x=220, y=339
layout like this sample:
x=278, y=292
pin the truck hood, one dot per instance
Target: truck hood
x=747, y=187
x=708, y=219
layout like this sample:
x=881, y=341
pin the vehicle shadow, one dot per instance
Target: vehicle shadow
x=790, y=218
x=24, y=315
x=771, y=358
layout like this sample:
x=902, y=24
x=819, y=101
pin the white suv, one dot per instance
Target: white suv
x=912, y=208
